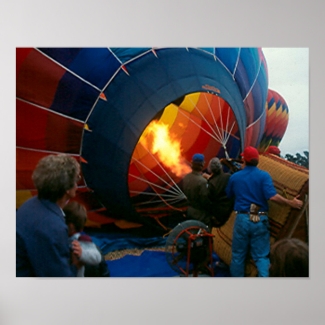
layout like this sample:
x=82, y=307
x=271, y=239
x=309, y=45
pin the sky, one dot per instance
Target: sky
x=289, y=76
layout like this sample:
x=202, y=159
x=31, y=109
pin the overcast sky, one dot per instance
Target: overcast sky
x=289, y=76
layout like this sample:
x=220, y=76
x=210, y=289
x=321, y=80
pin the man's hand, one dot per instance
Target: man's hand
x=296, y=203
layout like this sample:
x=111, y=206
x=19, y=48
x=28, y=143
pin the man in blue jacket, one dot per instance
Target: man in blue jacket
x=42, y=242
x=251, y=189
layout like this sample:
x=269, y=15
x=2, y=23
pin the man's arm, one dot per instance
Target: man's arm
x=294, y=203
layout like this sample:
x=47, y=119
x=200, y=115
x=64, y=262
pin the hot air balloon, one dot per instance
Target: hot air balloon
x=105, y=106
x=277, y=118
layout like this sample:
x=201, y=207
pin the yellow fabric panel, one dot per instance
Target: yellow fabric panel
x=190, y=102
x=169, y=115
x=21, y=197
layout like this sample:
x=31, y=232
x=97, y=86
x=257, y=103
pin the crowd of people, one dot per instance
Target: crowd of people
x=50, y=238
x=213, y=195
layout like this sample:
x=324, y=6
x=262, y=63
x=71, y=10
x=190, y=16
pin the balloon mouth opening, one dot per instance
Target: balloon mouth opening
x=198, y=122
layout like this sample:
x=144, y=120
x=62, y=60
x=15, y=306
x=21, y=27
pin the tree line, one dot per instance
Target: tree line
x=299, y=159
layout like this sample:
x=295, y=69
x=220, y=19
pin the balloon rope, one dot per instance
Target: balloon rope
x=198, y=125
x=219, y=137
x=49, y=110
x=214, y=135
x=177, y=189
x=47, y=151
x=153, y=194
x=144, y=180
x=253, y=84
x=252, y=124
x=179, y=194
x=68, y=70
x=177, y=198
x=216, y=129
x=236, y=65
x=220, y=130
x=159, y=201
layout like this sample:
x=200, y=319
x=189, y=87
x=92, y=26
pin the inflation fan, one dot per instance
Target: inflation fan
x=189, y=249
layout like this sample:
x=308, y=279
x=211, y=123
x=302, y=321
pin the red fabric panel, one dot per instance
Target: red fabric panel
x=100, y=217
x=38, y=78
x=26, y=162
x=44, y=130
x=21, y=54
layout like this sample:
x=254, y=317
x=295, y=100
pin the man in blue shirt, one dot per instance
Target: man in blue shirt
x=251, y=189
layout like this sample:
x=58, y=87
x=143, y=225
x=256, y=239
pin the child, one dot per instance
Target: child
x=91, y=257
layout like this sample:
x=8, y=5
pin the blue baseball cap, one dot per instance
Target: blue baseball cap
x=198, y=158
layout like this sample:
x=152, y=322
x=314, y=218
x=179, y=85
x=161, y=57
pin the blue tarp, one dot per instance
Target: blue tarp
x=149, y=264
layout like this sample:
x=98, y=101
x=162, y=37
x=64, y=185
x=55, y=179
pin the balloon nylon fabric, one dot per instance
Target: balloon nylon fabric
x=94, y=103
x=133, y=100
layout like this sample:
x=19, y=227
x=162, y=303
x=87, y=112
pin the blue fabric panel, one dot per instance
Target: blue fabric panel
x=271, y=102
x=124, y=54
x=260, y=97
x=209, y=49
x=74, y=97
x=228, y=57
x=64, y=56
x=95, y=65
x=242, y=79
x=250, y=59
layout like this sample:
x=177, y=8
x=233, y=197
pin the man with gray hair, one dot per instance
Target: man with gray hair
x=220, y=206
x=42, y=242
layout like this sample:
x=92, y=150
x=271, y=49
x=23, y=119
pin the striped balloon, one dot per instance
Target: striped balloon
x=277, y=117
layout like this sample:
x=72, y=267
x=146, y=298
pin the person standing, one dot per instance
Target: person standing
x=195, y=188
x=252, y=188
x=220, y=206
x=42, y=242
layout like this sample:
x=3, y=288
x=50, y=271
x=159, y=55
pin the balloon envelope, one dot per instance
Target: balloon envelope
x=277, y=118
x=96, y=104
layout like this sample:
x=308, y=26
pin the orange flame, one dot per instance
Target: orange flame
x=158, y=141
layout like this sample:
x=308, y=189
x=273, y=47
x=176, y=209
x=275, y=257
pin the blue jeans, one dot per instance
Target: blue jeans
x=255, y=237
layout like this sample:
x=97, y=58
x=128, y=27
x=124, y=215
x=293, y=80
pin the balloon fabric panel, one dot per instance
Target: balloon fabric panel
x=26, y=161
x=21, y=57
x=94, y=65
x=277, y=117
x=38, y=79
x=125, y=54
x=44, y=130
